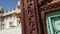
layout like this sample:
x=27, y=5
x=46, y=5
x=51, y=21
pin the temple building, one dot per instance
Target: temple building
x=11, y=18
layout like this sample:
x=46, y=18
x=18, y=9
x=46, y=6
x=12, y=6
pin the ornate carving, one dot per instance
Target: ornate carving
x=31, y=25
x=50, y=6
x=31, y=17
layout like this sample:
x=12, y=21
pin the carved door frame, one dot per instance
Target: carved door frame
x=29, y=17
x=48, y=9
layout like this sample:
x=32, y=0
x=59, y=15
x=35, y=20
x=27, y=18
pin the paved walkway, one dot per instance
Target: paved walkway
x=15, y=30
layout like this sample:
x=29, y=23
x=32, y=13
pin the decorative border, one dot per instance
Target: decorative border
x=50, y=6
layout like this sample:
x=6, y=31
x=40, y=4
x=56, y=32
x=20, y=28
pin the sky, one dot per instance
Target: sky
x=6, y=4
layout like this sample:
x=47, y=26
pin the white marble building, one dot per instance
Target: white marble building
x=10, y=21
x=11, y=18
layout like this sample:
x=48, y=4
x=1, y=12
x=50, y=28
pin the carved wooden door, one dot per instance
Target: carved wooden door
x=53, y=22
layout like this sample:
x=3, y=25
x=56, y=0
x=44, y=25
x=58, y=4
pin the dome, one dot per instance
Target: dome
x=1, y=9
x=18, y=3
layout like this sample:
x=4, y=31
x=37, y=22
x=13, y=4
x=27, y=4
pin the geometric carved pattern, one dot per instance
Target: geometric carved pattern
x=29, y=20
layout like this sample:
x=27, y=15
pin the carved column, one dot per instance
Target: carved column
x=29, y=17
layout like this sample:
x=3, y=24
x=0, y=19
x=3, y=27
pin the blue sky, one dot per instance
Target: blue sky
x=8, y=4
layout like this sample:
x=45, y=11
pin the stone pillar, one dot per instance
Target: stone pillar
x=14, y=20
x=7, y=25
